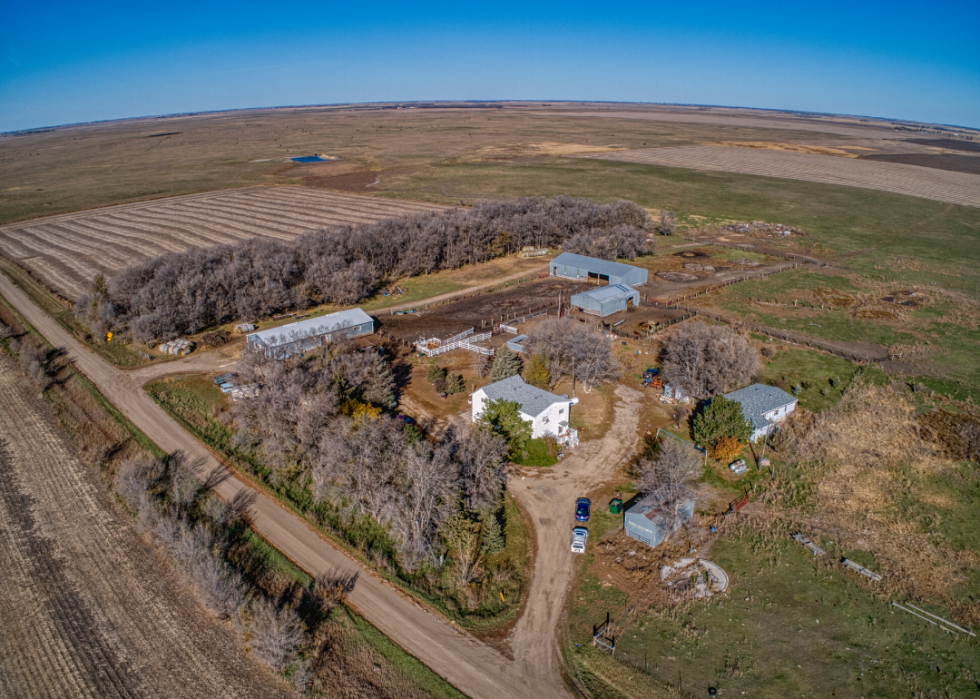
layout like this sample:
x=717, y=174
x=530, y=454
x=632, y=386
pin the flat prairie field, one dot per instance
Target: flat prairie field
x=68, y=250
x=912, y=180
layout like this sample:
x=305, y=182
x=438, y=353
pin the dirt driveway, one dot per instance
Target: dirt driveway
x=548, y=496
x=88, y=609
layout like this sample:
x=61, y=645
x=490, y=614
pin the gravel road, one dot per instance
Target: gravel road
x=473, y=667
x=89, y=609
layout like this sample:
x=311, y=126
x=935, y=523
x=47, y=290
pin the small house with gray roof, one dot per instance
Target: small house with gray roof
x=547, y=413
x=763, y=406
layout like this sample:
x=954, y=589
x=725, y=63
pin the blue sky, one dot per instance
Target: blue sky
x=72, y=62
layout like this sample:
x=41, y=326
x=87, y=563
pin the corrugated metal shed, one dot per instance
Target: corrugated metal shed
x=645, y=523
x=517, y=344
x=606, y=300
x=580, y=267
x=297, y=338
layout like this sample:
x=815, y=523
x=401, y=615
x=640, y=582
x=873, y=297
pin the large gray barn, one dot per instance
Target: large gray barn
x=606, y=300
x=296, y=338
x=581, y=267
x=645, y=523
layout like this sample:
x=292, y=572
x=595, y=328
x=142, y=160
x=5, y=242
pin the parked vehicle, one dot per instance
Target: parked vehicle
x=583, y=507
x=738, y=467
x=405, y=419
x=580, y=535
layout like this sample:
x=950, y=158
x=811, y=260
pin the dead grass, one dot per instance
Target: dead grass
x=863, y=478
x=797, y=148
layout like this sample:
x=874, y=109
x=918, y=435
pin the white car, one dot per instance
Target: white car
x=580, y=535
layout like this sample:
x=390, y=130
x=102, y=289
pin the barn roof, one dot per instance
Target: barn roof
x=311, y=327
x=759, y=399
x=595, y=265
x=609, y=293
x=533, y=400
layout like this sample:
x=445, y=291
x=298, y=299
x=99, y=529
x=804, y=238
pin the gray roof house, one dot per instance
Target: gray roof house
x=606, y=300
x=547, y=413
x=296, y=338
x=581, y=267
x=763, y=406
x=646, y=523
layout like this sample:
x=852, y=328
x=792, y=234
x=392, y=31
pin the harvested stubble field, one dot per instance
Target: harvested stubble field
x=67, y=251
x=912, y=180
x=447, y=320
x=88, y=608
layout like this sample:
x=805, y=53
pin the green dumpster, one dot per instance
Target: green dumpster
x=615, y=506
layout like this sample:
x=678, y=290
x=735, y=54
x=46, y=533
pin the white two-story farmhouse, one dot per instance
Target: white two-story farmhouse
x=763, y=406
x=547, y=413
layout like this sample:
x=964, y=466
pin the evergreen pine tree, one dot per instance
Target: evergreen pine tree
x=435, y=373
x=720, y=418
x=491, y=537
x=379, y=384
x=505, y=364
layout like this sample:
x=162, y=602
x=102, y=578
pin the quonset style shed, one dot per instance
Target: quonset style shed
x=646, y=523
x=581, y=267
x=296, y=338
x=606, y=300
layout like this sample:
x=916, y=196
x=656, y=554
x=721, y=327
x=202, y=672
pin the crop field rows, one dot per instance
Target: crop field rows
x=67, y=251
x=911, y=180
x=88, y=609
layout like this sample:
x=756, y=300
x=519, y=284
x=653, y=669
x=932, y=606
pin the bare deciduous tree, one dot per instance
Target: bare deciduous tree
x=704, y=359
x=666, y=222
x=665, y=479
x=275, y=635
x=183, y=293
x=573, y=351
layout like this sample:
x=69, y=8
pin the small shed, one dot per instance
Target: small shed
x=517, y=344
x=296, y=338
x=606, y=300
x=646, y=523
x=574, y=266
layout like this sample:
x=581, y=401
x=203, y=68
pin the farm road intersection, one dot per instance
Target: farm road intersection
x=471, y=666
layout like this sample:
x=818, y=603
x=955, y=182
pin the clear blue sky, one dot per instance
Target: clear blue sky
x=82, y=61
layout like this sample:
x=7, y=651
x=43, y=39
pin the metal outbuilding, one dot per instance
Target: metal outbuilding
x=575, y=266
x=606, y=300
x=517, y=344
x=646, y=523
x=296, y=338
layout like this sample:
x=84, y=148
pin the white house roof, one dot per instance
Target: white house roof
x=533, y=400
x=759, y=399
x=311, y=327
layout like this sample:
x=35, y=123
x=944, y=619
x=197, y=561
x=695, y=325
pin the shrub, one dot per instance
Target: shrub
x=726, y=449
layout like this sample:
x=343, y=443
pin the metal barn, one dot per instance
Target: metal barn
x=296, y=338
x=606, y=300
x=575, y=266
x=645, y=523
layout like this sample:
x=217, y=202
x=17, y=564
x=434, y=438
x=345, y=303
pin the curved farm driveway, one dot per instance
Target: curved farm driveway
x=473, y=667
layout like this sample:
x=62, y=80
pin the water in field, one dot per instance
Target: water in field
x=309, y=159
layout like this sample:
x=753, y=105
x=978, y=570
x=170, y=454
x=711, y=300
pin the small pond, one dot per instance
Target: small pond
x=309, y=159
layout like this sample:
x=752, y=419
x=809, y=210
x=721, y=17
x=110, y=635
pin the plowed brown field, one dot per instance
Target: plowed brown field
x=912, y=180
x=67, y=251
x=88, y=609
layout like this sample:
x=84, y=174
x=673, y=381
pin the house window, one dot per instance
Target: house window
x=544, y=420
x=561, y=411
